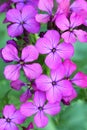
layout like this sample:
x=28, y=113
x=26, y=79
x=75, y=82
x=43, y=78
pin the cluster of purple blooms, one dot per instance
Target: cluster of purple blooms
x=46, y=63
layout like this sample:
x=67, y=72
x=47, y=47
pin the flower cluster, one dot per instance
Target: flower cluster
x=44, y=57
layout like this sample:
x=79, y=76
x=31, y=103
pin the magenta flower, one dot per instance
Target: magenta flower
x=79, y=79
x=20, y=20
x=70, y=33
x=11, y=118
x=40, y=109
x=29, y=54
x=46, y=6
x=49, y=45
x=21, y=3
x=55, y=86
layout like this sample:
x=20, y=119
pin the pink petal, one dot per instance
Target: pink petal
x=10, y=53
x=52, y=109
x=42, y=18
x=46, y=5
x=39, y=98
x=53, y=60
x=43, y=45
x=17, y=84
x=65, y=50
x=18, y=118
x=11, y=126
x=28, y=12
x=74, y=19
x=32, y=26
x=65, y=87
x=32, y=71
x=3, y=124
x=58, y=73
x=81, y=35
x=69, y=37
x=28, y=109
x=8, y=111
x=53, y=36
x=12, y=72
x=53, y=94
x=29, y=53
x=15, y=30
x=19, y=5
x=43, y=83
x=40, y=120
x=13, y=15
x=80, y=79
x=62, y=22
x=68, y=99
x=69, y=66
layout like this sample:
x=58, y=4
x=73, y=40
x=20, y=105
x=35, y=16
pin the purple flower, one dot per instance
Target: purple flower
x=50, y=45
x=5, y=6
x=40, y=109
x=29, y=54
x=20, y=20
x=46, y=6
x=70, y=33
x=79, y=79
x=21, y=3
x=55, y=86
x=11, y=118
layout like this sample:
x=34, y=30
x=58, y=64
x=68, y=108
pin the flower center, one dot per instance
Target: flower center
x=21, y=62
x=40, y=108
x=53, y=50
x=8, y=120
x=54, y=83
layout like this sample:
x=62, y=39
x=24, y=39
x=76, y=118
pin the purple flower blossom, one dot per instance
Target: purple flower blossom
x=70, y=32
x=49, y=45
x=46, y=6
x=20, y=20
x=11, y=118
x=55, y=86
x=79, y=79
x=29, y=54
x=21, y=3
x=40, y=109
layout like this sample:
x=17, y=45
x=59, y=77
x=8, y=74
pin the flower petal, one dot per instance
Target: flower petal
x=43, y=45
x=9, y=111
x=43, y=83
x=41, y=120
x=12, y=72
x=13, y=15
x=69, y=37
x=80, y=79
x=52, y=109
x=29, y=53
x=28, y=109
x=28, y=12
x=65, y=50
x=3, y=124
x=69, y=66
x=10, y=53
x=42, y=18
x=32, y=26
x=18, y=118
x=62, y=22
x=81, y=35
x=15, y=30
x=32, y=71
x=52, y=60
x=46, y=5
x=39, y=98
x=53, y=95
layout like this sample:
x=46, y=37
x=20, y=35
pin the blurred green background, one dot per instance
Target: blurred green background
x=73, y=117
